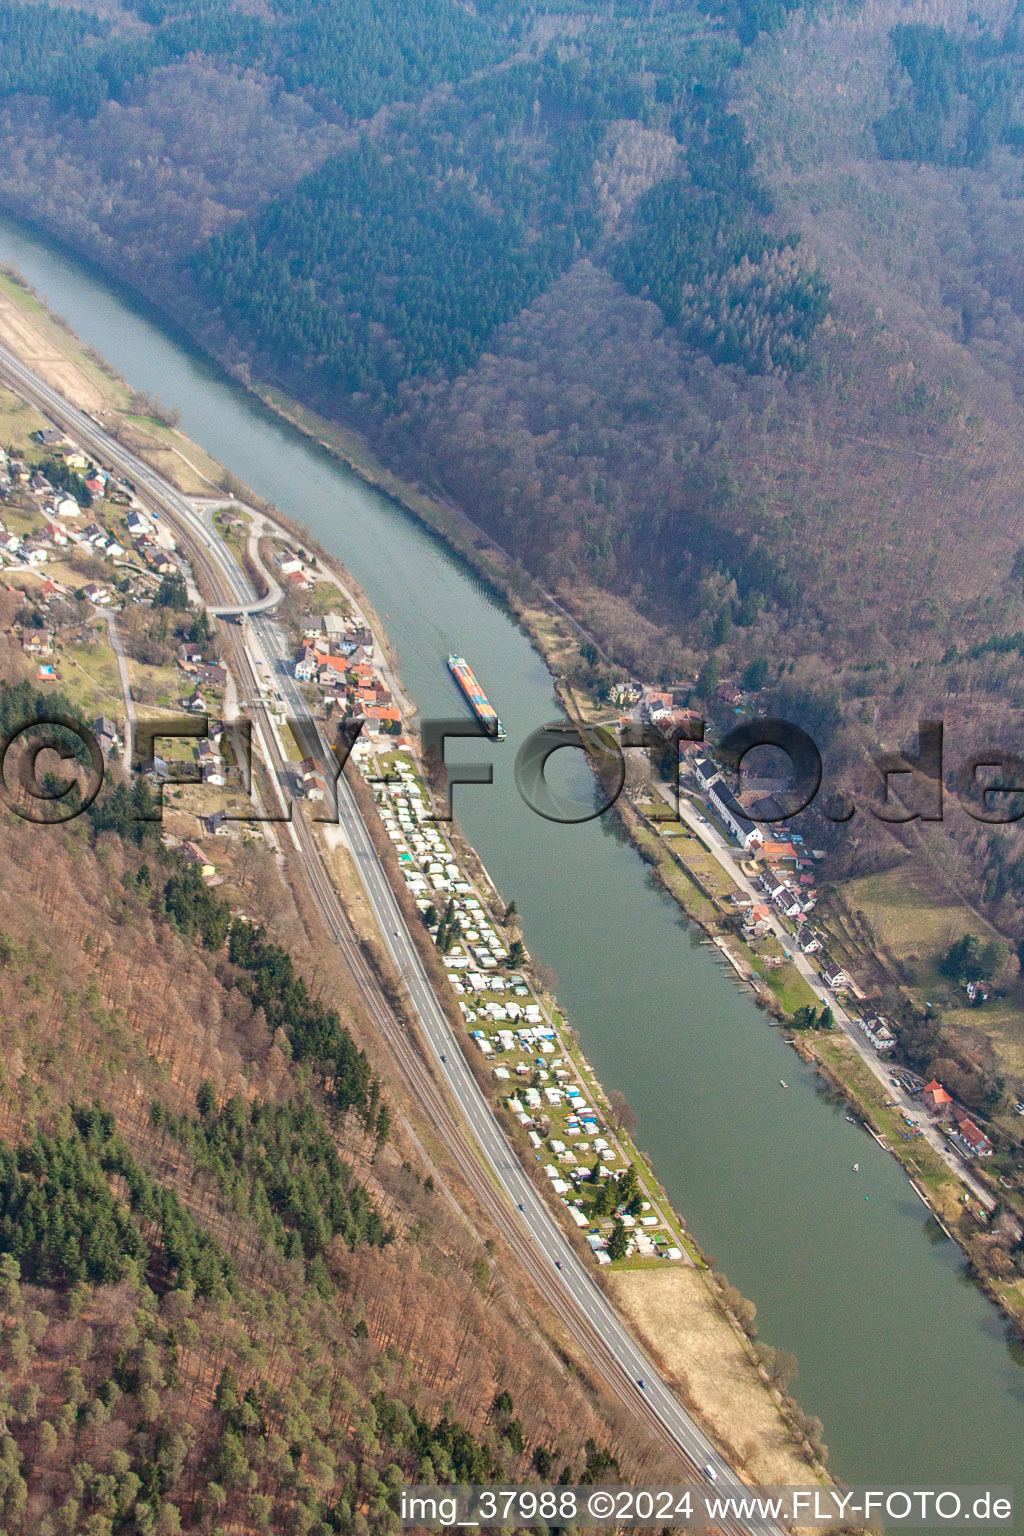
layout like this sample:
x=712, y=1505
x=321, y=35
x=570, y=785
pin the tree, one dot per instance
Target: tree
x=755, y=674
x=172, y=593
x=10, y=1277
x=623, y=1113
x=969, y=959
x=618, y=1242
x=827, y=1018
x=710, y=677
x=516, y=955
x=779, y=1365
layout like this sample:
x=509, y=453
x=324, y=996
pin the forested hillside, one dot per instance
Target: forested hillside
x=235, y=1292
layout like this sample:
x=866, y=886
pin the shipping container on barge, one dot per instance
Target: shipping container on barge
x=476, y=698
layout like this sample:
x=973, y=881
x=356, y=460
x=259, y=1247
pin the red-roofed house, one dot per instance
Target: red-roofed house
x=968, y=1133
x=758, y=921
x=936, y=1100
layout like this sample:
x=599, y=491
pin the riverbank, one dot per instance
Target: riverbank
x=729, y=1429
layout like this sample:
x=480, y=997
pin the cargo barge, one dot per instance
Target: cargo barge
x=476, y=698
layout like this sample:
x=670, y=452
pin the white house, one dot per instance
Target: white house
x=834, y=976
x=746, y=833
x=705, y=772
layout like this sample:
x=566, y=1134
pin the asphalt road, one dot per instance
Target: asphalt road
x=556, y=1252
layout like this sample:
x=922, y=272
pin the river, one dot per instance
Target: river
x=905, y=1361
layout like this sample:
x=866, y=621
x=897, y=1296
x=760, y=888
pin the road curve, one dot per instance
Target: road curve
x=547, y=1252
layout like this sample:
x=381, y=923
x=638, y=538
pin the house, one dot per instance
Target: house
x=212, y=771
x=705, y=772
x=314, y=786
x=329, y=663
x=105, y=732
x=936, y=1100
x=197, y=704
x=195, y=855
x=67, y=506
x=212, y=675
x=976, y=1142
x=56, y=535
x=879, y=1033
x=728, y=693
x=137, y=524
x=384, y=717
x=10, y=542
x=729, y=809
x=52, y=437
x=334, y=626
x=807, y=939
x=757, y=921
x=777, y=853
x=787, y=901
x=834, y=976
x=624, y=693
x=96, y=594
x=74, y=458
x=39, y=485
x=307, y=665
x=96, y=485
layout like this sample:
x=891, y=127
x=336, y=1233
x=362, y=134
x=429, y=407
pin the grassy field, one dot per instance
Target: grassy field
x=689, y=895
x=235, y=538
x=682, y=1326
x=17, y=422
x=913, y=920
x=88, y=675
x=913, y=923
x=161, y=687
x=47, y=343
x=787, y=984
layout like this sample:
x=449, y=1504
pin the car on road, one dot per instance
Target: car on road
x=521, y=1206
x=641, y=1384
x=558, y=1263
x=710, y=1473
x=444, y=1058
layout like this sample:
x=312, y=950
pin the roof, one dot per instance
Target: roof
x=726, y=800
x=937, y=1092
x=779, y=851
x=969, y=1131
